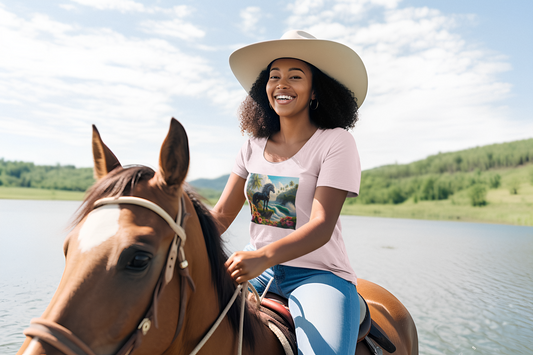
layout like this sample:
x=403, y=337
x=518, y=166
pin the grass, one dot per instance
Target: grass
x=25, y=193
x=210, y=196
x=503, y=207
x=501, y=213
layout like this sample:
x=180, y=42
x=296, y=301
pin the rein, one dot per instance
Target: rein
x=67, y=342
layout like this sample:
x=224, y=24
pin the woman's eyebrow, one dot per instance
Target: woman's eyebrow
x=290, y=69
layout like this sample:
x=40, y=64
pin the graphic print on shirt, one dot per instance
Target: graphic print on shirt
x=272, y=200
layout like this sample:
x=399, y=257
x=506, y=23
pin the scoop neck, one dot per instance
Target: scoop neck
x=295, y=154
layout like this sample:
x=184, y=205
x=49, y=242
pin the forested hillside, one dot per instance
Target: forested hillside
x=437, y=177
x=440, y=176
x=56, y=177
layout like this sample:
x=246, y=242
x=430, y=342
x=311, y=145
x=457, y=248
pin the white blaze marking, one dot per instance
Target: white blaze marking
x=100, y=225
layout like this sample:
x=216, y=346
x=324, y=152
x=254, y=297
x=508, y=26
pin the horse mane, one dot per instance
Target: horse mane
x=267, y=186
x=223, y=282
x=121, y=182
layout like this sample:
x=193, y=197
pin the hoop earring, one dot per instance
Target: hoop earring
x=311, y=103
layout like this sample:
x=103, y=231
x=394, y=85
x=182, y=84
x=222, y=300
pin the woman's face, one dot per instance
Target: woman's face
x=289, y=88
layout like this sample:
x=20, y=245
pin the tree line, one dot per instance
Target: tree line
x=437, y=177
x=55, y=177
x=440, y=176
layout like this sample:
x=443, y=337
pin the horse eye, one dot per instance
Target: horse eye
x=139, y=262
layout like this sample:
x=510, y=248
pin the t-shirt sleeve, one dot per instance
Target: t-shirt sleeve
x=239, y=167
x=341, y=167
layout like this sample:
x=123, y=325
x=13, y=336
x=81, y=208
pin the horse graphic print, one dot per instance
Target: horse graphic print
x=272, y=200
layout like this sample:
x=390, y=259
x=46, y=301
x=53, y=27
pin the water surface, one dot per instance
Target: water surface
x=468, y=286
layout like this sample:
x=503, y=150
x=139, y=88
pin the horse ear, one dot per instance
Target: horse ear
x=104, y=159
x=174, y=156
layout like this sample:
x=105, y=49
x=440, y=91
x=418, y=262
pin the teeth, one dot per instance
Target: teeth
x=284, y=97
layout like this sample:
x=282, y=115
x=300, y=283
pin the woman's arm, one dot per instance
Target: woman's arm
x=327, y=205
x=230, y=203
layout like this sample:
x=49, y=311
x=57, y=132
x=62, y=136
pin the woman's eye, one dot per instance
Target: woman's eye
x=139, y=262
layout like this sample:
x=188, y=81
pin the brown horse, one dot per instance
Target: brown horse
x=120, y=292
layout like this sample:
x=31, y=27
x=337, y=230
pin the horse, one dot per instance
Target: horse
x=264, y=195
x=144, y=273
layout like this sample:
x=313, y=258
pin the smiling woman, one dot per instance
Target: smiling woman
x=303, y=96
x=334, y=105
x=297, y=127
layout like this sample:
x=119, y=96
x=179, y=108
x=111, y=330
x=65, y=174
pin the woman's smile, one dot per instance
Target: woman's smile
x=284, y=99
x=289, y=87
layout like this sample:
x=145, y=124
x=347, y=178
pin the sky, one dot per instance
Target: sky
x=444, y=75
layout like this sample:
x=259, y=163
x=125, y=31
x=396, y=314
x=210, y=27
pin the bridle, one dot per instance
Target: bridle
x=67, y=342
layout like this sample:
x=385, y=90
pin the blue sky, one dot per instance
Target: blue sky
x=443, y=75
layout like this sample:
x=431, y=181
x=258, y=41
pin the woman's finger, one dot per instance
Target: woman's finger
x=229, y=261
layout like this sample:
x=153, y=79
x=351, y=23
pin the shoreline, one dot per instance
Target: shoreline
x=467, y=214
x=502, y=207
x=28, y=193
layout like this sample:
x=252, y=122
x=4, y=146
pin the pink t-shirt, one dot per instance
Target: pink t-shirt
x=281, y=194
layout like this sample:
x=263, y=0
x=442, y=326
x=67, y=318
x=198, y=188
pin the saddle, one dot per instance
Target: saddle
x=276, y=311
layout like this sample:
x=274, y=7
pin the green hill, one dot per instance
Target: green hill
x=440, y=176
x=492, y=183
x=217, y=184
x=50, y=177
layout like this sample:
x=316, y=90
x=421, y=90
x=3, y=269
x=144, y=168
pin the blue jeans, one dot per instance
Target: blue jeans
x=325, y=308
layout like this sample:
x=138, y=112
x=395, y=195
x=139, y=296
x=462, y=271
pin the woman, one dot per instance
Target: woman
x=296, y=171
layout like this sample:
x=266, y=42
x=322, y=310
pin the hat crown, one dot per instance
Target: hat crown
x=297, y=34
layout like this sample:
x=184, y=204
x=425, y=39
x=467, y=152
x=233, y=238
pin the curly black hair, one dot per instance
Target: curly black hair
x=337, y=106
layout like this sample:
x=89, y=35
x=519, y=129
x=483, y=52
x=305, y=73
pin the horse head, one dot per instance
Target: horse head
x=114, y=257
x=269, y=188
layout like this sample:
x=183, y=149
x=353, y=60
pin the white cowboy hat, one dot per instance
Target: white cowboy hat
x=334, y=59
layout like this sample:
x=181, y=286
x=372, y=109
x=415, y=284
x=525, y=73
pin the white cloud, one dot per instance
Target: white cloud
x=68, y=7
x=429, y=90
x=62, y=77
x=250, y=17
x=308, y=13
x=304, y=7
x=173, y=28
x=126, y=6
x=120, y=5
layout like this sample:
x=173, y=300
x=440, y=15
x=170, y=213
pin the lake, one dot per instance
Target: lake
x=468, y=286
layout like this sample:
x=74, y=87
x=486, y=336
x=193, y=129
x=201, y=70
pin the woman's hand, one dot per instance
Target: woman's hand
x=245, y=265
x=327, y=205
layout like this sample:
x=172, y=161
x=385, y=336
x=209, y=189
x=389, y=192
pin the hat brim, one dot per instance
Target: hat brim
x=334, y=59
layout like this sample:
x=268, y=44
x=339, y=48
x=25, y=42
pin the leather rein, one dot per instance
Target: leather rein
x=67, y=342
